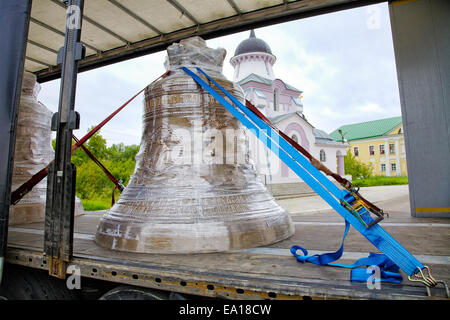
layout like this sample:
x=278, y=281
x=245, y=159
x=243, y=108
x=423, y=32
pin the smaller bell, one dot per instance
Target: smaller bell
x=33, y=151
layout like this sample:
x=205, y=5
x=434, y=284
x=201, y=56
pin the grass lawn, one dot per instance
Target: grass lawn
x=105, y=204
x=94, y=205
x=379, y=181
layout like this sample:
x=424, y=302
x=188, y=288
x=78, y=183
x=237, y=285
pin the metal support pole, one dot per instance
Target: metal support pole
x=420, y=32
x=14, y=20
x=59, y=213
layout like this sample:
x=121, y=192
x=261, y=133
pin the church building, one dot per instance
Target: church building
x=281, y=103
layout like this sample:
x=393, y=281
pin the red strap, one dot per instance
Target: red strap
x=21, y=191
x=111, y=177
x=96, y=161
x=344, y=182
x=281, y=133
x=26, y=187
x=101, y=124
x=112, y=199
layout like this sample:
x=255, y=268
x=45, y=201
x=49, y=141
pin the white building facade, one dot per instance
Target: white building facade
x=281, y=103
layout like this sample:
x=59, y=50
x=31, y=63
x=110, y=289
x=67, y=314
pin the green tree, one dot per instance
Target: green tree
x=96, y=145
x=121, y=152
x=356, y=168
x=92, y=183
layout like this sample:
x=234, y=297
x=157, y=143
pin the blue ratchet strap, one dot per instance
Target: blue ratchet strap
x=388, y=270
x=313, y=177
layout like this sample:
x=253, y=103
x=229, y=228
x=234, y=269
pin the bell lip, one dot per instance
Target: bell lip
x=274, y=233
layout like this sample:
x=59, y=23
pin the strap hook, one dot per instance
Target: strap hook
x=428, y=280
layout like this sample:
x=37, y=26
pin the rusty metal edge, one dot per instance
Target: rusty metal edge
x=210, y=285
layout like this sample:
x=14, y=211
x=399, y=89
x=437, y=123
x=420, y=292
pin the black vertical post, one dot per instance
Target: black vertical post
x=420, y=33
x=59, y=213
x=14, y=20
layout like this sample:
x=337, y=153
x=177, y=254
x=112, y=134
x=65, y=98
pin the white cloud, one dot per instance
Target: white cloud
x=371, y=108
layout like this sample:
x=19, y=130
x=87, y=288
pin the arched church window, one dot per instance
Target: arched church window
x=323, y=156
x=295, y=138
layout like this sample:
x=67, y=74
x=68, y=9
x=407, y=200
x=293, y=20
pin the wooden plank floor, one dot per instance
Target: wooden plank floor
x=273, y=268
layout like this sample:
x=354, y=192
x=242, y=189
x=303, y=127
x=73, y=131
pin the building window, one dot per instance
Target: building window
x=275, y=99
x=383, y=167
x=392, y=148
x=381, y=148
x=393, y=167
x=356, y=151
x=323, y=156
x=295, y=138
x=371, y=150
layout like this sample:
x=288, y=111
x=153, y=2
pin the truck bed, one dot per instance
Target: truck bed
x=259, y=273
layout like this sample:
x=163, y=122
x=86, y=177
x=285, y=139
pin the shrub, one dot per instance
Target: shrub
x=93, y=187
x=356, y=168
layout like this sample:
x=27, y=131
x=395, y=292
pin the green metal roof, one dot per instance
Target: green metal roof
x=365, y=130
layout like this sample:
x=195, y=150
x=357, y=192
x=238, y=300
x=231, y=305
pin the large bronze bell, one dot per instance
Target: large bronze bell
x=194, y=188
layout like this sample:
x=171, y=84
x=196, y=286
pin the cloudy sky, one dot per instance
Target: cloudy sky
x=343, y=62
